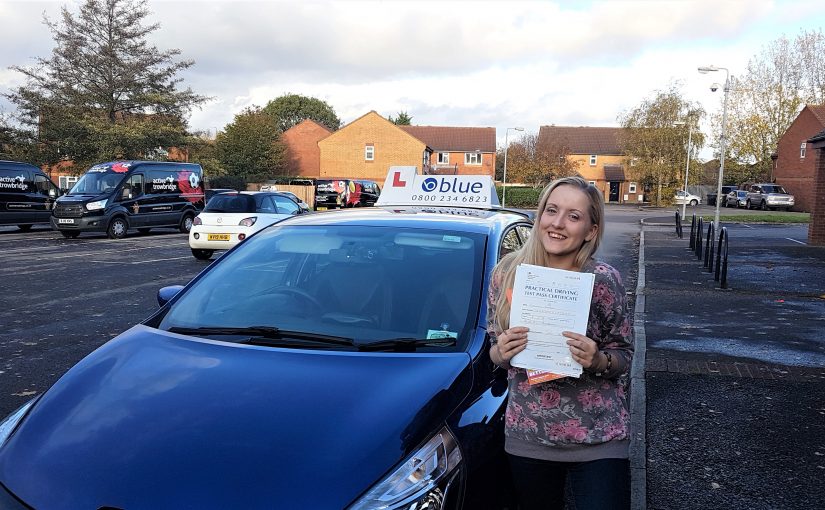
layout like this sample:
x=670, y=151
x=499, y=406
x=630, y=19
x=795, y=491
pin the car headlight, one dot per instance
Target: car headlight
x=11, y=421
x=96, y=206
x=248, y=222
x=421, y=481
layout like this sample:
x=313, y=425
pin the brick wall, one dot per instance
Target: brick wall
x=816, y=229
x=596, y=174
x=796, y=174
x=303, y=154
x=342, y=152
x=487, y=166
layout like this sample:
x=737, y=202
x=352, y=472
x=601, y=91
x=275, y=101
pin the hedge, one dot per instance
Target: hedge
x=522, y=197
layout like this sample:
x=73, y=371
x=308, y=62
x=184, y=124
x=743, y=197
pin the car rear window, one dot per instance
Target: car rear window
x=231, y=203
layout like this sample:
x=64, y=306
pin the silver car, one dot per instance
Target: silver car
x=768, y=196
x=736, y=198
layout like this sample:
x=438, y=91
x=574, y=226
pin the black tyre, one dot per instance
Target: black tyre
x=694, y=203
x=69, y=234
x=117, y=228
x=202, y=254
x=186, y=223
x=764, y=206
x=144, y=230
x=748, y=204
x=24, y=228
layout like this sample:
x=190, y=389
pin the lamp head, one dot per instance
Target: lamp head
x=707, y=69
x=714, y=87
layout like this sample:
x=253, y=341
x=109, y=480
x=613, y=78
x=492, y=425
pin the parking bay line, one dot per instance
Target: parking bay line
x=794, y=240
x=139, y=261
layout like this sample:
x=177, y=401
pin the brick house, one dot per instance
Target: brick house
x=794, y=162
x=303, y=154
x=366, y=148
x=600, y=159
x=458, y=150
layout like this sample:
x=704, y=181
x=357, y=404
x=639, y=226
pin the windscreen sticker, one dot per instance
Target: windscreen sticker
x=451, y=239
x=16, y=182
x=120, y=168
x=435, y=334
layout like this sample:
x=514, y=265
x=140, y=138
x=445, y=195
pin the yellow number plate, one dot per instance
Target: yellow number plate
x=320, y=208
x=217, y=237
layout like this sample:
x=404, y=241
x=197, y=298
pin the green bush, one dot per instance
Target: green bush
x=522, y=197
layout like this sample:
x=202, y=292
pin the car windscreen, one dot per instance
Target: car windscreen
x=367, y=284
x=773, y=189
x=95, y=183
x=231, y=203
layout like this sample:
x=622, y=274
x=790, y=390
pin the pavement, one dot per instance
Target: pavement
x=727, y=397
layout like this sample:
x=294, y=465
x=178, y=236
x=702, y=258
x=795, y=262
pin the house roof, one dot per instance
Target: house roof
x=818, y=137
x=308, y=121
x=371, y=113
x=457, y=139
x=583, y=139
x=614, y=173
x=819, y=112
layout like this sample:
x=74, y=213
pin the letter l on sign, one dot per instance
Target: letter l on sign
x=397, y=182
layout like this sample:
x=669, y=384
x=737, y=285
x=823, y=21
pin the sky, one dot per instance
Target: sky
x=464, y=63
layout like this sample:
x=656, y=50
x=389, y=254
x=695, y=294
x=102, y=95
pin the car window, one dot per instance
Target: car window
x=231, y=203
x=265, y=204
x=285, y=205
x=368, y=284
x=509, y=243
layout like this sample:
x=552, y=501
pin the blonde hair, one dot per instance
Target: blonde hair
x=533, y=252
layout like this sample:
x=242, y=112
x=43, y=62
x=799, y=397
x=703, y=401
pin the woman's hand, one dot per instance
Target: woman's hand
x=584, y=350
x=511, y=342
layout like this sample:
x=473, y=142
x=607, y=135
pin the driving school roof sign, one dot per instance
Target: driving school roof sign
x=404, y=186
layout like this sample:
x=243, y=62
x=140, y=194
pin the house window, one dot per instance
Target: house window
x=802, y=151
x=633, y=161
x=592, y=183
x=472, y=158
x=443, y=158
x=592, y=160
x=67, y=181
x=369, y=152
x=631, y=188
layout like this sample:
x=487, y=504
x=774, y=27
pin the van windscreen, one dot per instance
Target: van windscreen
x=95, y=183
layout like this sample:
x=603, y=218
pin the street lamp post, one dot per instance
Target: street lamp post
x=687, y=163
x=506, y=146
x=710, y=69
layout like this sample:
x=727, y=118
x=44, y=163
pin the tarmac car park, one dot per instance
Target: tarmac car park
x=331, y=360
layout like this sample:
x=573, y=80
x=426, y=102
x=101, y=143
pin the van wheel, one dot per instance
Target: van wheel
x=202, y=254
x=24, y=228
x=117, y=228
x=186, y=223
x=69, y=234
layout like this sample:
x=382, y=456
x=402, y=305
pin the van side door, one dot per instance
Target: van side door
x=161, y=200
x=45, y=193
x=131, y=197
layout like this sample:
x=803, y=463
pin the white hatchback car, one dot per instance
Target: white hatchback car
x=683, y=197
x=229, y=218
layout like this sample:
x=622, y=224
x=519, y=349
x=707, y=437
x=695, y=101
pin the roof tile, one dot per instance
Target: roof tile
x=455, y=139
x=583, y=139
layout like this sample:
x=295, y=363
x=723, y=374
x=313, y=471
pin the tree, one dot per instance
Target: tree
x=402, y=119
x=766, y=99
x=290, y=109
x=104, y=92
x=249, y=147
x=535, y=163
x=655, y=146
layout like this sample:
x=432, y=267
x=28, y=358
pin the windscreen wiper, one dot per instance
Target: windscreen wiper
x=267, y=335
x=406, y=344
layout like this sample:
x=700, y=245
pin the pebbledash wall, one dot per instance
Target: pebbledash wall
x=344, y=153
x=816, y=229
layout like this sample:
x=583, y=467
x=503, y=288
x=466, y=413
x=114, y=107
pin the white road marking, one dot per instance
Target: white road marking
x=794, y=240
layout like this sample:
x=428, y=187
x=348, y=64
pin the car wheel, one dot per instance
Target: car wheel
x=764, y=206
x=69, y=234
x=202, y=254
x=748, y=205
x=186, y=223
x=694, y=203
x=24, y=228
x=117, y=228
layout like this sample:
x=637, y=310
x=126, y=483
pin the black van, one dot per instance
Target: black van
x=116, y=196
x=27, y=195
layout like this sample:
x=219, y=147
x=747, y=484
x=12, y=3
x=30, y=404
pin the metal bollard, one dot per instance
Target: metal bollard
x=722, y=266
x=698, y=245
x=678, y=224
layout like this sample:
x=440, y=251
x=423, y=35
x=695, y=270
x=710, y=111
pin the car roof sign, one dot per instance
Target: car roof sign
x=404, y=186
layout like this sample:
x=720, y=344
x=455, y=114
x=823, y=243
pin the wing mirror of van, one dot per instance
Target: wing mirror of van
x=165, y=294
x=52, y=193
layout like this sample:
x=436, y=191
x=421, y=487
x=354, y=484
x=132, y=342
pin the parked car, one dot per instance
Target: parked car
x=229, y=218
x=329, y=194
x=711, y=197
x=768, y=196
x=209, y=193
x=736, y=198
x=303, y=205
x=27, y=195
x=329, y=361
x=683, y=197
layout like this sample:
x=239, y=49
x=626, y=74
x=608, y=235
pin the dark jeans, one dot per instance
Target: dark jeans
x=599, y=484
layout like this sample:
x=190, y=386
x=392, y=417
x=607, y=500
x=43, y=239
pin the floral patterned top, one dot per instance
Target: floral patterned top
x=575, y=419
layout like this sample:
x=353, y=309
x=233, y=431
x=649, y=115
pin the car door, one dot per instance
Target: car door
x=285, y=205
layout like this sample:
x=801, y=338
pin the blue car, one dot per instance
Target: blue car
x=330, y=361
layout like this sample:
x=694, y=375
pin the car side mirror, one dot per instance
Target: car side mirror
x=166, y=294
x=52, y=193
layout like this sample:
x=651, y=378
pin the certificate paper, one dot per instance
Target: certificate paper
x=549, y=301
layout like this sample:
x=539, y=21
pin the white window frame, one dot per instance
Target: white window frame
x=592, y=183
x=631, y=188
x=69, y=180
x=443, y=158
x=802, y=150
x=472, y=158
x=369, y=153
x=593, y=160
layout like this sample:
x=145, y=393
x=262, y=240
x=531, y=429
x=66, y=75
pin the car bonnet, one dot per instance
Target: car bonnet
x=154, y=419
